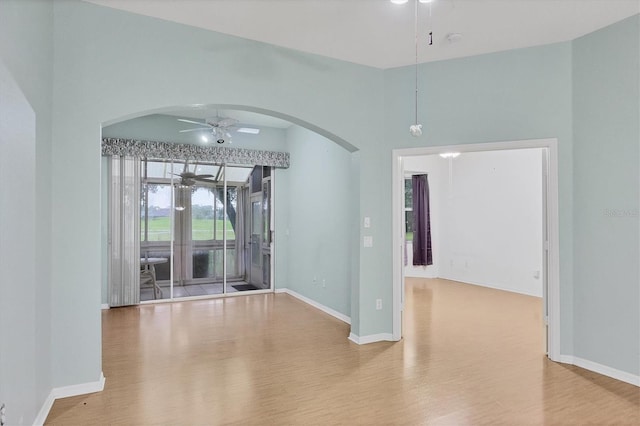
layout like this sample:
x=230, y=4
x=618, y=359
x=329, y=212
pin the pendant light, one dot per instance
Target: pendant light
x=416, y=129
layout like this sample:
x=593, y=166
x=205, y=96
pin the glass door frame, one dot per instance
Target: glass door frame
x=175, y=167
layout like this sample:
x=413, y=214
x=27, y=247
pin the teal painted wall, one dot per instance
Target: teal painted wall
x=281, y=216
x=109, y=64
x=317, y=233
x=506, y=96
x=606, y=105
x=26, y=50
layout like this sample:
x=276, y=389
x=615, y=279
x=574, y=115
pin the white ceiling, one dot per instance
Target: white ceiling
x=380, y=34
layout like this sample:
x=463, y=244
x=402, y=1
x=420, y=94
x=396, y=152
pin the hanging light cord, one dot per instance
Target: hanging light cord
x=415, y=33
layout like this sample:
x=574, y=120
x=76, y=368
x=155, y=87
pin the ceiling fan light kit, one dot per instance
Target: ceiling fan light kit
x=415, y=130
x=220, y=128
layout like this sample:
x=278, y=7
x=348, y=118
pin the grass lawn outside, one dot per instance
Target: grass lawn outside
x=201, y=229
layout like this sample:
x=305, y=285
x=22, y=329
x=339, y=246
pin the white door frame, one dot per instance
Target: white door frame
x=553, y=273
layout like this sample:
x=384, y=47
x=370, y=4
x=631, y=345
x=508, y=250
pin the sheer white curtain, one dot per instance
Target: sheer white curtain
x=183, y=249
x=124, y=231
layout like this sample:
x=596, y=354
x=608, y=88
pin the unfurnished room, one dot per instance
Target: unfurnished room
x=320, y=212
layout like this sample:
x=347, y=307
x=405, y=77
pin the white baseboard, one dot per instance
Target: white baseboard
x=565, y=359
x=315, y=304
x=623, y=376
x=44, y=411
x=371, y=338
x=67, y=391
x=105, y=306
x=526, y=293
x=81, y=389
x=419, y=272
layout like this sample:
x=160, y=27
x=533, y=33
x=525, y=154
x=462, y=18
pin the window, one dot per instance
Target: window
x=408, y=209
x=207, y=213
x=155, y=212
x=199, y=224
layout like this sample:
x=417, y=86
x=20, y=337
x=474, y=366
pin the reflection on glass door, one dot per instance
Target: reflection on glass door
x=255, y=243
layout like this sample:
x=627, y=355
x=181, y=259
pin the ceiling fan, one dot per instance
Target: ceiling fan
x=220, y=128
x=188, y=178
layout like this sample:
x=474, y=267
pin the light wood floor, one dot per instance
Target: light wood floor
x=470, y=355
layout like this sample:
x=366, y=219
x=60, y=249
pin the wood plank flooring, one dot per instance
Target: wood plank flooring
x=470, y=356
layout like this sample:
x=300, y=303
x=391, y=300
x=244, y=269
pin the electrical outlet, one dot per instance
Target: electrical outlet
x=324, y=283
x=378, y=304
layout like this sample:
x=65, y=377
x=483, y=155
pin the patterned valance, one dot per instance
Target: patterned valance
x=206, y=154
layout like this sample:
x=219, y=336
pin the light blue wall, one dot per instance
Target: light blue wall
x=26, y=49
x=506, y=96
x=606, y=105
x=317, y=233
x=281, y=216
x=109, y=64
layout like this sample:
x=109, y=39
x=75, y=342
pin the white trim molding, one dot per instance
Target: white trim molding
x=65, y=392
x=371, y=338
x=623, y=376
x=492, y=286
x=105, y=306
x=44, y=411
x=315, y=304
x=553, y=266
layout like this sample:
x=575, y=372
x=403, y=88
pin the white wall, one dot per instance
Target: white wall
x=487, y=218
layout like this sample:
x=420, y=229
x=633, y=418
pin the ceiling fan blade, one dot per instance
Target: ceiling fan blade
x=204, y=176
x=193, y=122
x=226, y=122
x=194, y=130
x=201, y=179
x=249, y=130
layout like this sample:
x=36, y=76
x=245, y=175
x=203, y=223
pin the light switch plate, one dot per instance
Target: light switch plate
x=367, y=222
x=368, y=241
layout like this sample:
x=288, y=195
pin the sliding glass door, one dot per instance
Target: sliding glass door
x=195, y=230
